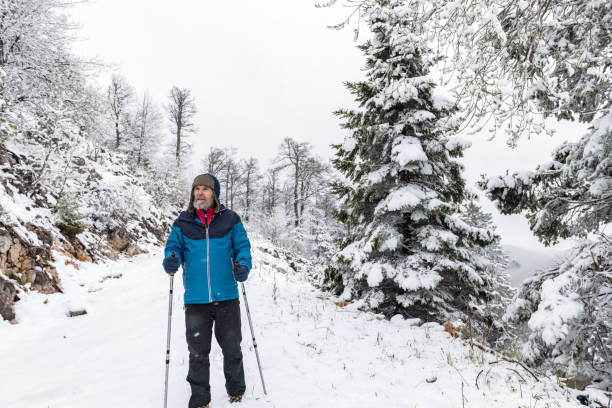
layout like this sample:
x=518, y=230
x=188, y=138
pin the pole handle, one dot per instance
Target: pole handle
x=173, y=256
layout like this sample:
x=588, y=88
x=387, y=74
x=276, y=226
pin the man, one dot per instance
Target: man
x=211, y=244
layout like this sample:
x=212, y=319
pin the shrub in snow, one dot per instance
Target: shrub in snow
x=315, y=236
x=567, y=311
x=113, y=204
x=277, y=227
x=70, y=222
x=408, y=250
x=7, y=127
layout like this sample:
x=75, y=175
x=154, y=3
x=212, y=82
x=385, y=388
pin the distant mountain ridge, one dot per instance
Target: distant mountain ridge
x=524, y=262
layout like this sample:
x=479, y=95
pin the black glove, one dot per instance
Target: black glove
x=171, y=264
x=241, y=272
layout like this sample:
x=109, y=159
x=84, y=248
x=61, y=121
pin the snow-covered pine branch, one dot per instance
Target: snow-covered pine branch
x=566, y=309
x=571, y=195
x=510, y=64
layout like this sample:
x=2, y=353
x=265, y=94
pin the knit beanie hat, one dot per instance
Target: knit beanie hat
x=209, y=181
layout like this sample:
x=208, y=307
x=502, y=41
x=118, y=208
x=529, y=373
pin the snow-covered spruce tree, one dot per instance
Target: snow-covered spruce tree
x=497, y=269
x=70, y=222
x=408, y=250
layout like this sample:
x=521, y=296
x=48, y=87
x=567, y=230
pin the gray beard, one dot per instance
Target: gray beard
x=202, y=204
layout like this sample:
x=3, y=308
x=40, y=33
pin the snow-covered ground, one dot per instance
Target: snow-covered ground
x=314, y=353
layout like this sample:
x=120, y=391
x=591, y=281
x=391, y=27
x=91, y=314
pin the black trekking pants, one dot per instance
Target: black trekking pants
x=199, y=322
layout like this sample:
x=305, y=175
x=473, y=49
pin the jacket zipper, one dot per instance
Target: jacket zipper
x=208, y=262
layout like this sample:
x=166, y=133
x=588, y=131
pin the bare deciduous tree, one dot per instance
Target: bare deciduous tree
x=148, y=121
x=270, y=190
x=250, y=169
x=294, y=155
x=214, y=162
x=310, y=178
x=181, y=110
x=232, y=176
x=120, y=95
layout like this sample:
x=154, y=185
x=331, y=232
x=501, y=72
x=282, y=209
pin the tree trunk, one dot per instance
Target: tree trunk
x=248, y=185
x=178, y=142
x=140, y=146
x=295, y=193
x=117, y=132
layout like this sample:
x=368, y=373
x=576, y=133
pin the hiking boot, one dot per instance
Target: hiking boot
x=235, y=398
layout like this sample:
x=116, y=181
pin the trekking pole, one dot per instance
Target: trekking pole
x=168, y=341
x=246, y=304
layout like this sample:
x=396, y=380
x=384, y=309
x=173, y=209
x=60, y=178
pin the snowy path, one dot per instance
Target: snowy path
x=314, y=353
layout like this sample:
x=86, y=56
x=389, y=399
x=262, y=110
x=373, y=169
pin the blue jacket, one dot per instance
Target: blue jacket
x=208, y=254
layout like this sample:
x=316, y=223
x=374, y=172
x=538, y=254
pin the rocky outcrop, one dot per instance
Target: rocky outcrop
x=8, y=296
x=26, y=265
x=119, y=239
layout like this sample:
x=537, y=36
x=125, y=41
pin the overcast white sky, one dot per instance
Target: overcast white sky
x=261, y=71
